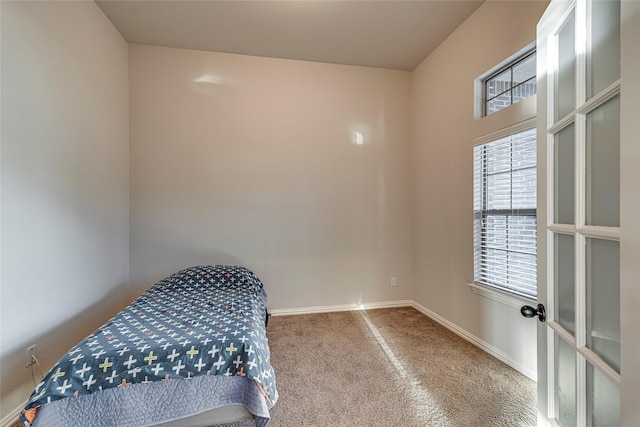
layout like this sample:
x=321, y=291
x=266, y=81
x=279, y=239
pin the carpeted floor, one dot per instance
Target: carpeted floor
x=390, y=367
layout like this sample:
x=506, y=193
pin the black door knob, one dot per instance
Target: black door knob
x=528, y=311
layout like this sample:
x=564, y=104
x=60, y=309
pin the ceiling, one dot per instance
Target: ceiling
x=391, y=34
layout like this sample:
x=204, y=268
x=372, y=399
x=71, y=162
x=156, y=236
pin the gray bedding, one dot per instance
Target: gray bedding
x=156, y=403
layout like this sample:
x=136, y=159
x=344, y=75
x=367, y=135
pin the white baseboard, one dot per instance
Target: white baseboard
x=334, y=308
x=12, y=416
x=498, y=354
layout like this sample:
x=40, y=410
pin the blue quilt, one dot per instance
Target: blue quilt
x=207, y=320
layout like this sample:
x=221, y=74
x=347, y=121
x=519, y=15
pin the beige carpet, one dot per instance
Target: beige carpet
x=390, y=367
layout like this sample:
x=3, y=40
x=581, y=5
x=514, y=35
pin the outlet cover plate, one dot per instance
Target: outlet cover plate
x=31, y=351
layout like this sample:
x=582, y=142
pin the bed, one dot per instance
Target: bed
x=190, y=351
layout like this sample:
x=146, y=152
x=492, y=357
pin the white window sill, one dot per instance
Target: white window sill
x=500, y=296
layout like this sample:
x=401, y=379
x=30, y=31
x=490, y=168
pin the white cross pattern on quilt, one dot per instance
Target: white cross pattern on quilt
x=199, y=321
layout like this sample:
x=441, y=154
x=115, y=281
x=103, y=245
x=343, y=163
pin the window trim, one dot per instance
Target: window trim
x=504, y=297
x=519, y=127
x=479, y=82
x=493, y=292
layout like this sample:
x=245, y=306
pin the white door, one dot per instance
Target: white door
x=589, y=213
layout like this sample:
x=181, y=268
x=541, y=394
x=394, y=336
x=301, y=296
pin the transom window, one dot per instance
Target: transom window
x=504, y=207
x=510, y=84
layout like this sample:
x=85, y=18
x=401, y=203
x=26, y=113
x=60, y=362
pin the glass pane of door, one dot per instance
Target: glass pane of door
x=603, y=300
x=565, y=382
x=565, y=84
x=603, y=165
x=564, y=176
x=603, y=400
x=564, y=260
x=603, y=58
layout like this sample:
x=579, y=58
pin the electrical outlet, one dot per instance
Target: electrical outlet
x=393, y=281
x=31, y=351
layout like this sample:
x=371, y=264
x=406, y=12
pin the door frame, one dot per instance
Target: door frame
x=630, y=212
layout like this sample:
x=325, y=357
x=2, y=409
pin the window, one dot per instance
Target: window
x=504, y=190
x=510, y=84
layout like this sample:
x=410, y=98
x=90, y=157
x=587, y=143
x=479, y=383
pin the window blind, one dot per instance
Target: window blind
x=505, y=213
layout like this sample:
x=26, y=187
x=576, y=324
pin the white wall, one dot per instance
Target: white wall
x=251, y=161
x=443, y=131
x=65, y=195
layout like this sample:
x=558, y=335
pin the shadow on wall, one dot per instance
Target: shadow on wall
x=17, y=382
x=166, y=255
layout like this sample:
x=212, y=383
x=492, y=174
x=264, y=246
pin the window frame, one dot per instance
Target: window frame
x=480, y=97
x=508, y=67
x=493, y=291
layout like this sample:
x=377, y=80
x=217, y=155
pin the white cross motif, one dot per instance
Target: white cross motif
x=173, y=355
x=123, y=351
x=178, y=367
x=200, y=365
x=130, y=362
x=237, y=362
x=65, y=385
x=252, y=363
x=112, y=377
x=219, y=363
x=134, y=371
x=82, y=371
x=74, y=351
x=78, y=357
x=89, y=382
x=213, y=351
x=98, y=354
x=157, y=369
